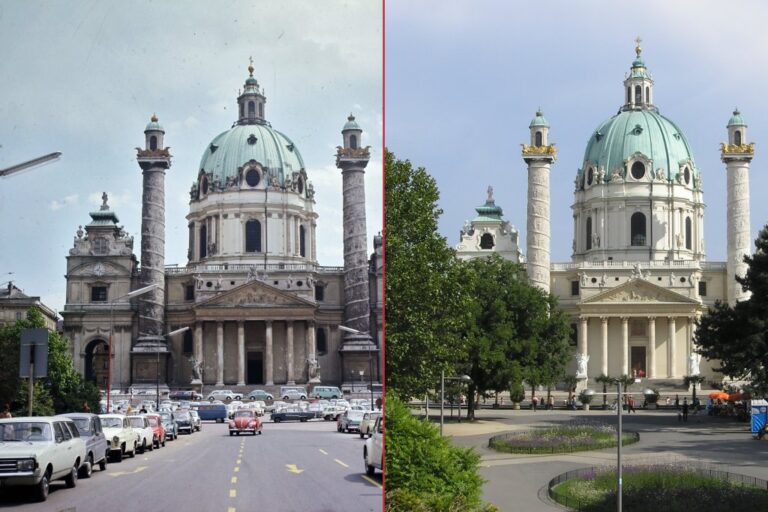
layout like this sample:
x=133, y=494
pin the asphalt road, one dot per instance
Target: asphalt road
x=290, y=467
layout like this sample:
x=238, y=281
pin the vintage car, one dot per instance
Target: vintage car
x=120, y=435
x=259, y=394
x=293, y=394
x=211, y=412
x=169, y=424
x=197, y=423
x=223, y=394
x=292, y=413
x=184, y=421
x=366, y=425
x=145, y=436
x=35, y=451
x=350, y=420
x=373, y=452
x=333, y=412
x=185, y=395
x=158, y=431
x=96, y=446
x=245, y=420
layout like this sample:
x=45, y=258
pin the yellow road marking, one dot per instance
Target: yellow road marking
x=293, y=469
x=119, y=473
x=339, y=462
x=239, y=461
x=231, y=509
x=232, y=493
x=234, y=480
x=371, y=480
x=237, y=469
x=323, y=451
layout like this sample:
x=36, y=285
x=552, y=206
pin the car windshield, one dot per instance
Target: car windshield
x=244, y=414
x=83, y=425
x=136, y=422
x=25, y=431
x=152, y=422
x=182, y=415
x=111, y=422
x=355, y=415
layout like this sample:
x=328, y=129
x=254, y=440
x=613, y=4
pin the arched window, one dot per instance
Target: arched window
x=251, y=109
x=629, y=94
x=242, y=110
x=638, y=95
x=486, y=241
x=637, y=228
x=300, y=186
x=203, y=241
x=322, y=342
x=253, y=236
x=737, y=137
x=302, y=242
x=647, y=94
x=538, y=138
x=589, y=233
x=353, y=141
x=688, y=233
x=261, y=110
x=100, y=245
x=96, y=362
x=153, y=142
x=319, y=292
x=204, y=186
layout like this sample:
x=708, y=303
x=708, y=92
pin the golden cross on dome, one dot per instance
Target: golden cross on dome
x=250, y=66
x=638, y=49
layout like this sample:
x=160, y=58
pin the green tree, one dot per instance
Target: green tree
x=516, y=333
x=605, y=380
x=426, y=305
x=737, y=336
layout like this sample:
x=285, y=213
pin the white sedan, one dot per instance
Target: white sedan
x=373, y=452
x=145, y=436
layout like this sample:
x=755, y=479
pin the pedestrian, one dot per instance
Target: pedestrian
x=677, y=402
x=631, y=406
x=534, y=403
x=551, y=403
x=685, y=409
x=86, y=407
x=6, y=412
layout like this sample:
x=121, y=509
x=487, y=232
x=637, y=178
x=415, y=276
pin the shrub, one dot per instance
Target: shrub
x=424, y=471
x=517, y=393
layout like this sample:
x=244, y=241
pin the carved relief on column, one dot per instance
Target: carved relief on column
x=241, y=353
x=199, y=343
x=651, y=347
x=625, y=345
x=289, y=352
x=268, y=355
x=312, y=367
x=671, y=349
x=604, y=328
x=219, y=353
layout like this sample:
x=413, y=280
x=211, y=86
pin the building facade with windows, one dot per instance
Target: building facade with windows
x=14, y=304
x=259, y=307
x=638, y=279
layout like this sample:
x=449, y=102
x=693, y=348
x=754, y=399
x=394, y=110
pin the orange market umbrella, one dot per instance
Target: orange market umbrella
x=721, y=395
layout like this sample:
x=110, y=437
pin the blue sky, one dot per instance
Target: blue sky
x=84, y=78
x=464, y=79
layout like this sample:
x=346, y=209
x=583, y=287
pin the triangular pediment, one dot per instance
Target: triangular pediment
x=639, y=291
x=255, y=294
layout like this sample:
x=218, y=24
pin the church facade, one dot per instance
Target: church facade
x=252, y=306
x=638, y=279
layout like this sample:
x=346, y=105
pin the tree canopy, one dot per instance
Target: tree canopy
x=426, y=303
x=737, y=336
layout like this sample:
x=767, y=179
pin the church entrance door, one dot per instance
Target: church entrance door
x=255, y=373
x=638, y=362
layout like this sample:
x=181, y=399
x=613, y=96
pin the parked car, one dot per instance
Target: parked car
x=145, y=436
x=122, y=439
x=96, y=448
x=197, y=423
x=169, y=424
x=38, y=450
x=373, y=453
x=293, y=394
x=185, y=395
x=317, y=408
x=349, y=421
x=223, y=394
x=260, y=407
x=366, y=425
x=326, y=392
x=245, y=420
x=184, y=421
x=292, y=414
x=213, y=411
x=333, y=412
x=259, y=394
x=276, y=406
x=158, y=431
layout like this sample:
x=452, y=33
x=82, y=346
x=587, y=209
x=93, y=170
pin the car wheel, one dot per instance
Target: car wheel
x=276, y=420
x=303, y=420
x=103, y=462
x=119, y=455
x=362, y=436
x=231, y=433
x=133, y=453
x=152, y=445
x=42, y=487
x=369, y=470
x=86, y=468
x=71, y=479
x=303, y=397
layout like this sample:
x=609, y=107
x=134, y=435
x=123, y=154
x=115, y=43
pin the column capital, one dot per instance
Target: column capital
x=652, y=319
x=583, y=318
x=268, y=323
x=241, y=323
x=625, y=319
x=604, y=319
x=671, y=317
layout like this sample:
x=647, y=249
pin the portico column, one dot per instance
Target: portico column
x=269, y=377
x=651, y=347
x=671, y=348
x=625, y=345
x=241, y=353
x=311, y=356
x=219, y=354
x=289, y=353
x=583, y=341
x=604, y=325
x=199, y=341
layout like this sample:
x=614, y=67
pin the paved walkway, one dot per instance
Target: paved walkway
x=518, y=482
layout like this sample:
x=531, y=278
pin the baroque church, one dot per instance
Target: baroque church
x=638, y=279
x=252, y=306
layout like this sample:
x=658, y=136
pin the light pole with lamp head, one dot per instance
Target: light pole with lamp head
x=370, y=361
x=443, y=378
x=129, y=295
x=157, y=366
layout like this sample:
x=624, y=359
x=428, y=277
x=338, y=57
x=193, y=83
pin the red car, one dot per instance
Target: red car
x=245, y=420
x=158, y=430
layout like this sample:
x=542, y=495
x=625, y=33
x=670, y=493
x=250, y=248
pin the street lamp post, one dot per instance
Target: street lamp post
x=443, y=378
x=157, y=366
x=129, y=295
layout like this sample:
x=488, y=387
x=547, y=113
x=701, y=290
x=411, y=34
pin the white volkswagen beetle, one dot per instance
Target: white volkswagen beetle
x=145, y=437
x=120, y=435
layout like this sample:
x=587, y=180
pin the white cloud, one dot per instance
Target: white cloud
x=69, y=200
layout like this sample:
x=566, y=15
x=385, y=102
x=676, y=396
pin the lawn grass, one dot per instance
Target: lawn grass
x=575, y=436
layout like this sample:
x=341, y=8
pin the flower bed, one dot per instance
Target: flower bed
x=661, y=488
x=574, y=436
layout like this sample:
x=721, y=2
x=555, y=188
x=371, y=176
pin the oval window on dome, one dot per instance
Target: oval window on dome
x=590, y=176
x=687, y=175
x=204, y=186
x=252, y=177
x=638, y=170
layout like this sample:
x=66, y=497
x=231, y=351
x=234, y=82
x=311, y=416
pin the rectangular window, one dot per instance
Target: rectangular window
x=319, y=293
x=189, y=292
x=98, y=294
x=703, y=288
x=187, y=345
x=574, y=287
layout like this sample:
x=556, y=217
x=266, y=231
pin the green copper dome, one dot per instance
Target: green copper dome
x=237, y=146
x=153, y=125
x=736, y=119
x=638, y=131
x=489, y=211
x=351, y=124
x=539, y=120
